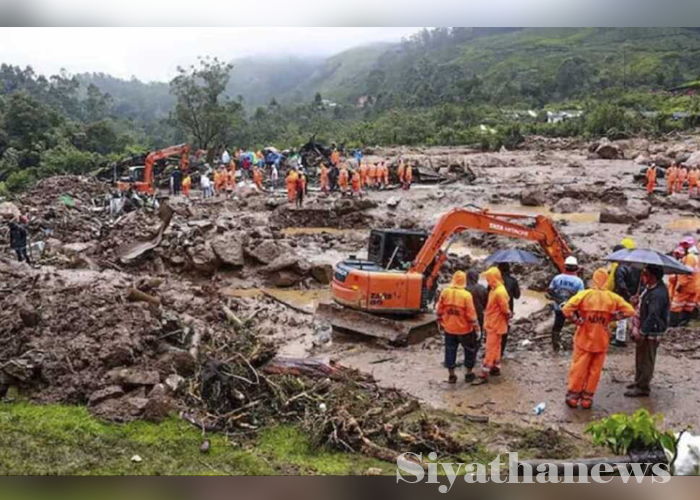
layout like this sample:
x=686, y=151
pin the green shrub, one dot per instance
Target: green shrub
x=624, y=433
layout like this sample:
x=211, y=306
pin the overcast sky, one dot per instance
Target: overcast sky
x=154, y=53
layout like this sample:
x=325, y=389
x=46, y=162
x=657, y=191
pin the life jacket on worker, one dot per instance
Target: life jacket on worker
x=595, y=309
x=455, y=307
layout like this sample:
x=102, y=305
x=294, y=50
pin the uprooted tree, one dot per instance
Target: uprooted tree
x=201, y=109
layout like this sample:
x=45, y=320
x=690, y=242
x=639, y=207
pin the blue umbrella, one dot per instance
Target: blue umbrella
x=512, y=256
x=642, y=257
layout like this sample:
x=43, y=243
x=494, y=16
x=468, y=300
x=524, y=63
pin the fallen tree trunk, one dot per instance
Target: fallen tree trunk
x=304, y=367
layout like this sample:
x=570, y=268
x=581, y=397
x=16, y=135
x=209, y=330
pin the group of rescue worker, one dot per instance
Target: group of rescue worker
x=637, y=300
x=678, y=176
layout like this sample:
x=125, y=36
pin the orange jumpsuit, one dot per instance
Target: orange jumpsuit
x=372, y=175
x=496, y=317
x=335, y=157
x=651, y=180
x=681, y=177
x=671, y=180
x=401, y=172
x=303, y=182
x=232, y=169
x=324, y=178
x=592, y=310
x=455, y=308
x=408, y=177
x=292, y=178
x=186, y=185
x=364, y=175
x=385, y=175
x=343, y=180
x=258, y=178
x=693, y=182
x=684, y=296
x=356, y=183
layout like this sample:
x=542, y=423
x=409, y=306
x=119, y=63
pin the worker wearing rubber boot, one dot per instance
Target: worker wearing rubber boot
x=561, y=289
x=592, y=310
x=496, y=320
x=684, y=294
x=458, y=319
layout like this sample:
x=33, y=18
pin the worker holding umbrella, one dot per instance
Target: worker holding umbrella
x=654, y=310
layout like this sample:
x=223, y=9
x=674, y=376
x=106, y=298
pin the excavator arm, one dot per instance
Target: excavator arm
x=431, y=257
x=182, y=149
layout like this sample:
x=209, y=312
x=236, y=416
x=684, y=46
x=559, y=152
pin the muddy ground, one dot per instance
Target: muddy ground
x=258, y=256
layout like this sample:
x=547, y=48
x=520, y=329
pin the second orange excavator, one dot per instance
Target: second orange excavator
x=389, y=295
x=141, y=179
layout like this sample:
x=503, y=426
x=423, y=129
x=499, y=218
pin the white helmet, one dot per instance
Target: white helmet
x=571, y=261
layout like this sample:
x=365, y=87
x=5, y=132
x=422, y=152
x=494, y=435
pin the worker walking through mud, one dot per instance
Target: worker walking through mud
x=292, y=178
x=458, y=319
x=18, y=238
x=496, y=320
x=592, y=310
x=300, y=189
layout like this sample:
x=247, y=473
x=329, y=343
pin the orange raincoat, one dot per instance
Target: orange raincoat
x=408, y=177
x=356, y=182
x=292, y=185
x=258, y=178
x=693, y=181
x=401, y=172
x=324, y=178
x=681, y=177
x=686, y=288
x=496, y=318
x=671, y=174
x=186, y=185
x=593, y=310
x=372, y=175
x=455, y=308
x=335, y=157
x=364, y=175
x=651, y=180
x=343, y=179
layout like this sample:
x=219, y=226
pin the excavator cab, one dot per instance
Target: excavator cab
x=395, y=248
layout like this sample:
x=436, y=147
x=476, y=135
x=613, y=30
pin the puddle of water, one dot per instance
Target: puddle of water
x=577, y=217
x=306, y=299
x=689, y=224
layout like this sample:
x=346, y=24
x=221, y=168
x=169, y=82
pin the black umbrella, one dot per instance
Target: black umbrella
x=642, y=257
x=512, y=256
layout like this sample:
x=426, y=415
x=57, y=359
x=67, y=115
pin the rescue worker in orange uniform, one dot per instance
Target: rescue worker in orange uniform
x=651, y=179
x=232, y=169
x=186, y=185
x=335, y=157
x=292, y=178
x=671, y=179
x=408, y=177
x=343, y=180
x=496, y=318
x=693, y=181
x=324, y=178
x=258, y=178
x=385, y=175
x=681, y=177
x=458, y=320
x=685, y=288
x=364, y=174
x=372, y=175
x=356, y=183
x=592, y=311
x=401, y=172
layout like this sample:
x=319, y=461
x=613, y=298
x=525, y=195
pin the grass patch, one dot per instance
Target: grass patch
x=67, y=440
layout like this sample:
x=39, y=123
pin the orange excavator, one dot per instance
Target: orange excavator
x=389, y=294
x=140, y=179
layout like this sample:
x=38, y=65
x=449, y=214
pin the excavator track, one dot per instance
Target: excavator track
x=398, y=332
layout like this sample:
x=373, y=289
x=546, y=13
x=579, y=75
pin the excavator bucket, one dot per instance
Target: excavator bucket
x=399, y=332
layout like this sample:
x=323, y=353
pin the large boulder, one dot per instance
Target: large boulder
x=533, y=197
x=203, y=258
x=344, y=206
x=9, y=211
x=626, y=215
x=609, y=151
x=566, y=206
x=230, y=249
x=693, y=160
x=266, y=252
x=323, y=273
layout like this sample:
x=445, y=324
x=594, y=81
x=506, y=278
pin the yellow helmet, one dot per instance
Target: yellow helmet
x=628, y=243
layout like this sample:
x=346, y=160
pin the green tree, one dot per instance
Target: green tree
x=200, y=108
